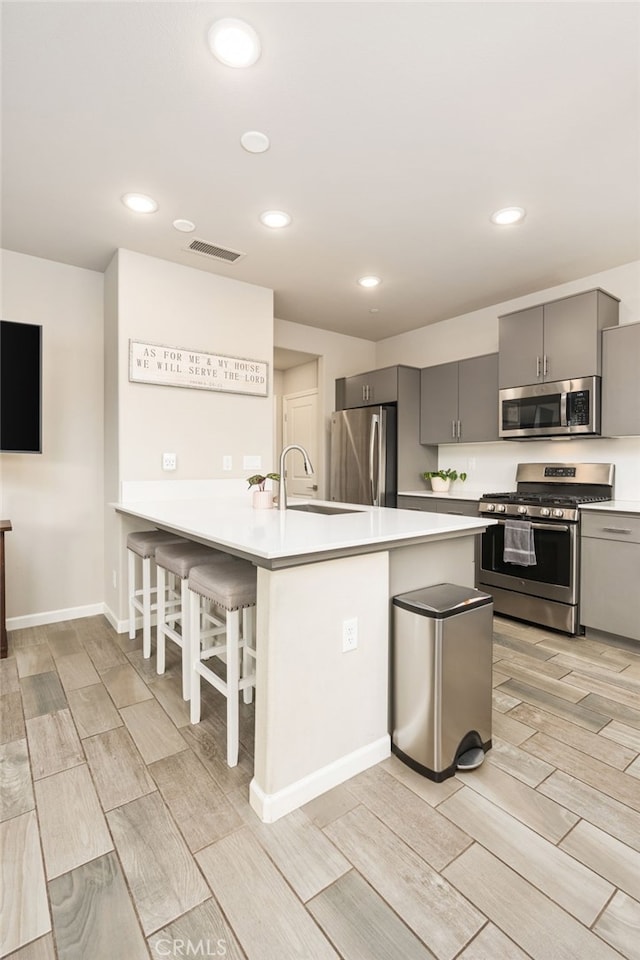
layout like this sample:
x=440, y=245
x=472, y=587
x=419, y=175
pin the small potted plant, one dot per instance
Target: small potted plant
x=441, y=480
x=262, y=499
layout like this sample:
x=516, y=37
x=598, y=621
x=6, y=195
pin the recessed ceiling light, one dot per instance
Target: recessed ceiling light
x=369, y=281
x=374, y=310
x=275, y=219
x=139, y=203
x=508, y=215
x=255, y=142
x=184, y=226
x=234, y=42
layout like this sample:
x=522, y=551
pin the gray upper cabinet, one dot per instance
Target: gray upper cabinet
x=621, y=381
x=399, y=385
x=459, y=401
x=367, y=389
x=559, y=340
x=439, y=403
x=520, y=347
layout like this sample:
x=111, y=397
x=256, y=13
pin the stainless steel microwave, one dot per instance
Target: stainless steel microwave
x=562, y=408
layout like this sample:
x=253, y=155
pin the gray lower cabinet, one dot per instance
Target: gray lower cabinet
x=559, y=340
x=459, y=508
x=459, y=401
x=610, y=573
x=621, y=381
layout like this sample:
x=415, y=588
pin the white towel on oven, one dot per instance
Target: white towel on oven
x=519, y=547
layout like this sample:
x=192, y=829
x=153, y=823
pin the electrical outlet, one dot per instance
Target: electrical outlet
x=227, y=463
x=349, y=634
x=114, y=578
x=169, y=461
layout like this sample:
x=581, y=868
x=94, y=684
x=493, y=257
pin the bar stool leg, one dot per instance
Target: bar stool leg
x=131, y=577
x=233, y=679
x=194, y=640
x=185, y=622
x=248, y=634
x=160, y=618
x=146, y=608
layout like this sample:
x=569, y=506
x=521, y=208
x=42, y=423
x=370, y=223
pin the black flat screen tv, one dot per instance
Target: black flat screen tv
x=20, y=387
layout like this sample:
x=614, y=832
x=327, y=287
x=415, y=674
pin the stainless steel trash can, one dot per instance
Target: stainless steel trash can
x=441, y=678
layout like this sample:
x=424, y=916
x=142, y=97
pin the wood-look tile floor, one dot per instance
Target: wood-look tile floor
x=125, y=835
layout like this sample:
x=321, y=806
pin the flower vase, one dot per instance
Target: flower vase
x=262, y=499
x=439, y=485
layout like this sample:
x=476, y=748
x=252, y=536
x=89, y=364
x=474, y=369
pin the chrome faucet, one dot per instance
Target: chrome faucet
x=282, y=487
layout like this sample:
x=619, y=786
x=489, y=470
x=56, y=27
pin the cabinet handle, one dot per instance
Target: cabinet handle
x=459, y=429
x=615, y=530
x=547, y=365
x=455, y=513
x=453, y=429
x=537, y=368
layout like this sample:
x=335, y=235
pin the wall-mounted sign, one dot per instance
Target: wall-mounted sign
x=177, y=367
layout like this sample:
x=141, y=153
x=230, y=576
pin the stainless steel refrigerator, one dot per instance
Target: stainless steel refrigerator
x=364, y=456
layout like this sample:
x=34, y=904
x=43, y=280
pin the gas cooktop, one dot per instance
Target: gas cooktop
x=552, y=491
x=552, y=497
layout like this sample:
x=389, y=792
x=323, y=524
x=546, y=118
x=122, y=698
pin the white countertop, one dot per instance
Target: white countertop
x=274, y=538
x=450, y=495
x=613, y=506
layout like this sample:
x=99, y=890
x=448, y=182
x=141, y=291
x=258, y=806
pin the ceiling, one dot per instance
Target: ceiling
x=396, y=130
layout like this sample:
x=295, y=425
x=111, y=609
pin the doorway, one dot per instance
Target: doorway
x=297, y=418
x=300, y=425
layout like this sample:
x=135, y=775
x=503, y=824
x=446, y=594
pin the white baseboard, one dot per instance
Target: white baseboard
x=55, y=616
x=270, y=807
x=120, y=626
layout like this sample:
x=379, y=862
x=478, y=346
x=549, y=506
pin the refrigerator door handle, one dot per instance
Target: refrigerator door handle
x=374, y=478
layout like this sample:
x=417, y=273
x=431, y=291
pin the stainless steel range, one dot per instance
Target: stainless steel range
x=530, y=560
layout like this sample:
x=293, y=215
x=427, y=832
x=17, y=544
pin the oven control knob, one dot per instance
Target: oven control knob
x=545, y=512
x=558, y=513
x=501, y=508
x=491, y=507
x=522, y=509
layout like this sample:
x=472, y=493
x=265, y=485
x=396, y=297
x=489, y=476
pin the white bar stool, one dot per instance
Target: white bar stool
x=173, y=612
x=143, y=544
x=231, y=587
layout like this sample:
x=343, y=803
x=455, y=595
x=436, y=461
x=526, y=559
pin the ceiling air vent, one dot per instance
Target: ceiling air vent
x=214, y=252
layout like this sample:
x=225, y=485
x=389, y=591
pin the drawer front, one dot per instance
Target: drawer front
x=611, y=526
x=418, y=503
x=459, y=508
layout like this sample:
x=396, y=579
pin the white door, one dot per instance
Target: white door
x=300, y=425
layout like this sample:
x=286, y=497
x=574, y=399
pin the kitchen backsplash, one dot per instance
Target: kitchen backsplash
x=491, y=467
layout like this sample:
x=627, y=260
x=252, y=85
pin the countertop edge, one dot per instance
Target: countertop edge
x=283, y=556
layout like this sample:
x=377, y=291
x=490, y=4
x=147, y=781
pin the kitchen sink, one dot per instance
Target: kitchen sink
x=319, y=508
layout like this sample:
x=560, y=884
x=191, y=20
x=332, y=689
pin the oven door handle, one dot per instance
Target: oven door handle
x=560, y=527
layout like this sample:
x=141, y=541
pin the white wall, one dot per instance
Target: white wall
x=55, y=500
x=491, y=467
x=165, y=303
x=473, y=334
x=170, y=304
x=339, y=356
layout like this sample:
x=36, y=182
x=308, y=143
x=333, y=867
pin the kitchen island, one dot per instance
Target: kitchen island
x=321, y=714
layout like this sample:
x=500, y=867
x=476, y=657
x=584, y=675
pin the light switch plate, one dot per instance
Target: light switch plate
x=227, y=463
x=251, y=462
